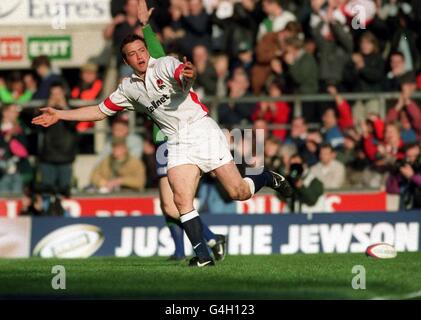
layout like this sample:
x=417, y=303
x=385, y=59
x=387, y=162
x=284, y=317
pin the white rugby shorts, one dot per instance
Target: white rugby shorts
x=201, y=143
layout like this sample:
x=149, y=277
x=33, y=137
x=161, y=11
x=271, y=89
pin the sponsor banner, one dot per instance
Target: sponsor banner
x=15, y=237
x=11, y=48
x=259, y=204
x=55, y=47
x=57, y=13
x=248, y=234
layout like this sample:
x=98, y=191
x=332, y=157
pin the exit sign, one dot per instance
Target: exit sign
x=11, y=49
x=59, y=47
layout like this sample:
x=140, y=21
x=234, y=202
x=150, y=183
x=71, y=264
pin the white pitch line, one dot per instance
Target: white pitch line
x=412, y=295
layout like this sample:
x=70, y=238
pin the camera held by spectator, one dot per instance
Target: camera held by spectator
x=405, y=178
x=308, y=189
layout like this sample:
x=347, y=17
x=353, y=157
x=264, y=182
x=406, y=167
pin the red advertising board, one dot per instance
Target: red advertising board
x=11, y=49
x=260, y=204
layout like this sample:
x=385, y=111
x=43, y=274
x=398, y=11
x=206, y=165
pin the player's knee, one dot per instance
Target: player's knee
x=169, y=208
x=239, y=192
x=183, y=202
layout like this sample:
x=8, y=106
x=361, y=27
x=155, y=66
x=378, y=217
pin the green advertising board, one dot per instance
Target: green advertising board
x=56, y=47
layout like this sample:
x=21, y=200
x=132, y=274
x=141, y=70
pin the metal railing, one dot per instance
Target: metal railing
x=214, y=102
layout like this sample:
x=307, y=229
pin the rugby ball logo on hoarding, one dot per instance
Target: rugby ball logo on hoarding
x=8, y=7
x=74, y=241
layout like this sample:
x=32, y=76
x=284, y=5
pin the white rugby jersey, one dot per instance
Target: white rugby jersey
x=164, y=95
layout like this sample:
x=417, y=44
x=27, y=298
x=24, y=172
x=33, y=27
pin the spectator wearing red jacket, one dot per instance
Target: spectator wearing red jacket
x=89, y=88
x=387, y=151
x=408, y=113
x=274, y=113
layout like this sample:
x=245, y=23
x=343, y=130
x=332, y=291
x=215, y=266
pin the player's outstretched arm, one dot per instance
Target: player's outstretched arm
x=154, y=46
x=51, y=116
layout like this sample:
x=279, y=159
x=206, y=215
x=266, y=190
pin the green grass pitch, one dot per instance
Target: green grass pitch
x=321, y=276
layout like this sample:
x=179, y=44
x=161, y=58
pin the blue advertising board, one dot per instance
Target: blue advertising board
x=248, y=234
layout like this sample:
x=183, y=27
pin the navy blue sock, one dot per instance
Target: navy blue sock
x=260, y=180
x=177, y=234
x=193, y=227
x=207, y=233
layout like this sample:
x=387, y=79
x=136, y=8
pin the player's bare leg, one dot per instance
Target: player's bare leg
x=184, y=180
x=216, y=242
x=234, y=184
x=241, y=189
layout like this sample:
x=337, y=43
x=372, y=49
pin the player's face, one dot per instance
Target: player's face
x=137, y=56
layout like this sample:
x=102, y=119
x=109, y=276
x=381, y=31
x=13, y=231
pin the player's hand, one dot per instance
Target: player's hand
x=143, y=14
x=48, y=117
x=189, y=70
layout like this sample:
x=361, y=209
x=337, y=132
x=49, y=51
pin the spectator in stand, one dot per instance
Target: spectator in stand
x=234, y=112
x=405, y=179
x=119, y=171
x=335, y=120
x=277, y=18
x=302, y=74
x=369, y=66
x=398, y=73
x=333, y=39
x=191, y=18
x=330, y=130
x=120, y=130
x=15, y=90
x=88, y=88
x=329, y=171
x=301, y=67
x=235, y=23
x=221, y=65
x=205, y=83
x=308, y=188
x=298, y=133
x=268, y=52
x=15, y=170
x=353, y=157
x=59, y=148
x=42, y=67
x=121, y=26
x=244, y=58
x=274, y=112
x=402, y=37
x=310, y=150
x=408, y=113
x=272, y=154
x=384, y=153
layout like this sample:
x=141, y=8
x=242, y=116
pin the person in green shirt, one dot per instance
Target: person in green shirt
x=14, y=90
x=217, y=243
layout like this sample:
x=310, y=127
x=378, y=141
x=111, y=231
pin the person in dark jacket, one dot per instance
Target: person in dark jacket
x=369, y=66
x=42, y=67
x=308, y=188
x=205, y=83
x=59, y=148
x=333, y=39
x=233, y=112
x=195, y=23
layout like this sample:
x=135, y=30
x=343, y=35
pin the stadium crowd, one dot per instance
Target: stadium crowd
x=240, y=49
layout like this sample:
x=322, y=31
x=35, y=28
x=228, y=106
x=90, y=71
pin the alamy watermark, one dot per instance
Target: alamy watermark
x=58, y=282
x=359, y=280
x=246, y=147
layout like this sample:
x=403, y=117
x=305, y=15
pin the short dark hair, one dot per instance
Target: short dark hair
x=129, y=39
x=326, y=145
x=42, y=60
x=334, y=110
x=397, y=53
x=57, y=84
x=411, y=145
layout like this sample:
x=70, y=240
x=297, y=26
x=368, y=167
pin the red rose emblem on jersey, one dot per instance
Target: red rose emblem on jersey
x=160, y=84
